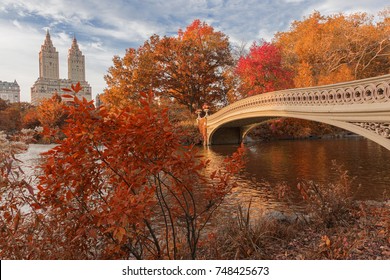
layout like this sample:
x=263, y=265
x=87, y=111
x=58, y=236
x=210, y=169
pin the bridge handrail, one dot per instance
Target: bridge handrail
x=370, y=90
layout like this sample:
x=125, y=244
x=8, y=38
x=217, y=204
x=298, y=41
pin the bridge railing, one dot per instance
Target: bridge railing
x=371, y=90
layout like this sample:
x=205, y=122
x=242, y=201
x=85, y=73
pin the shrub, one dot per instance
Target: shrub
x=330, y=204
x=240, y=236
x=120, y=186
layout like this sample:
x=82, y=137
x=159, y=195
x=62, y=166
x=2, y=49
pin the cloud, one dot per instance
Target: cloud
x=18, y=61
x=106, y=28
x=335, y=6
x=17, y=24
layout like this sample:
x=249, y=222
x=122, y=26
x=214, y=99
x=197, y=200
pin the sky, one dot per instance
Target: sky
x=107, y=28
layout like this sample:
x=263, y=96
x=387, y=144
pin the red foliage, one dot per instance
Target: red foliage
x=120, y=185
x=262, y=71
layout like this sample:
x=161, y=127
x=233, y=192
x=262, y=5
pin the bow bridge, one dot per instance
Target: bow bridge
x=361, y=106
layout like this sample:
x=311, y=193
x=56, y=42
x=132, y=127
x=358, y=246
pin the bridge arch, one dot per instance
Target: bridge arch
x=235, y=134
x=362, y=107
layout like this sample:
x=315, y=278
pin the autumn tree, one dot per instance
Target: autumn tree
x=132, y=75
x=194, y=66
x=11, y=115
x=189, y=68
x=323, y=50
x=232, y=79
x=4, y=104
x=262, y=71
x=30, y=118
x=329, y=49
x=10, y=120
x=51, y=114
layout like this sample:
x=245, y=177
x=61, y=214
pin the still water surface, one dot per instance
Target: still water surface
x=270, y=163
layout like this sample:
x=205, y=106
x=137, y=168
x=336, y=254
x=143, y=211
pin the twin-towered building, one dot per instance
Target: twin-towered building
x=49, y=82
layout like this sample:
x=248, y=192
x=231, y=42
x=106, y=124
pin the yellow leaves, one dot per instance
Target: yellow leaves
x=325, y=239
x=343, y=73
x=51, y=113
x=304, y=77
x=323, y=50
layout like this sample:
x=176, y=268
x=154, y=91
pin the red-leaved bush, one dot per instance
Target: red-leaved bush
x=120, y=186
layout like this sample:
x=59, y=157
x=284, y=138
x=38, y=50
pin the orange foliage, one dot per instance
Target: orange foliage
x=189, y=68
x=136, y=72
x=51, y=112
x=30, y=119
x=11, y=116
x=194, y=66
x=52, y=115
x=322, y=50
x=303, y=77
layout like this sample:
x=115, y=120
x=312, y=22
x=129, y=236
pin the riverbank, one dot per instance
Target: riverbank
x=365, y=235
x=329, y=224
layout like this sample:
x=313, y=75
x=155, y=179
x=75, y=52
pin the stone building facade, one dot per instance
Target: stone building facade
x=10, y=91
x=49, y=81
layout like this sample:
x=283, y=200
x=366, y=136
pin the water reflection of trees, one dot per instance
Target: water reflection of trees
x=270, y=163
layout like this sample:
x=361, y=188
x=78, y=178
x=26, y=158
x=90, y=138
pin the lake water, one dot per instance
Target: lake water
x=270, y=163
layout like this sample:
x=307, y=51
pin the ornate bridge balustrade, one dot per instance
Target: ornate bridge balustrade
x=361, y=106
